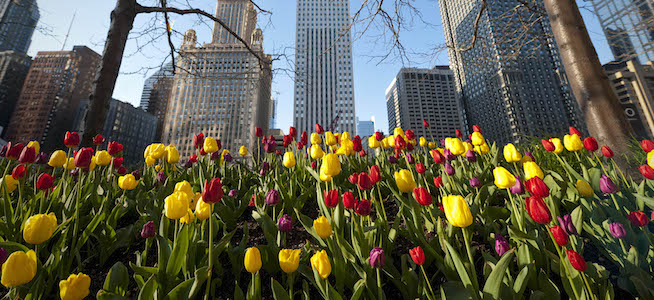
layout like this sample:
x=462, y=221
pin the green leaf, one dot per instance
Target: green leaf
x=494, y=280
x=279, y=293
x=117, y=279
x=359, y=288
x=12, y=246
x=147, y=292
x=179, y=253
x=89, y=230
x=461, y=269
x=180, y=291
x=201, y=275
x=521, y=281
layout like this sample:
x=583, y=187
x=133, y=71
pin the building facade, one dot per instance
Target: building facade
x=365, y=128
x=514, y=88
x=324, y=92
x=629, y=28
x=633, y=83
x=55, y=84
x=18, y=19
x=131, y=126
x=416, y=94
x=13, y=70
x=156, y=94
x=221, y=89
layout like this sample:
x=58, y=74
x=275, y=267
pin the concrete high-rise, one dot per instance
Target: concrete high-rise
x=416, y=94
x=514, y=88
x=629, y=28
x=18, y=20
x=13, y=70
x=324, y=92
x=49, y=99
x=155, y=96
x=220, y=88
x=365, y=128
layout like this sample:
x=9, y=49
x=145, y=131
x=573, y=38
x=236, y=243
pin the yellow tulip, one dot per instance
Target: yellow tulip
x=194, y=200
x=584, y=188
x=39, y=228
x=184, y=186
x=172, y=155
x=289, y=259
x=572, y=142
x=404, y=181
x=324, y=177
x=10, y=183
x=149, y=161
x=252, y=260
x=346, y=148
x=482, y=149
x=19, y=268
x=57, y=159
x=330, y=139
x=423, y=141
x=455, y=145
x=210, y=145
x=331, y=165
x=70, y=165
x=222, y=156
x=243, y=151
x=316, y=152
x=289, y=160
x=525, y=159
x=93, y=164
x=315, y=139
x=35, y=145
x=391, y=140
x=511, y=154
x=477, y=139
x=157, y=168
x=650, y=158
x=127, y=182
x=373, y=143
x=457, y=211
x=176, y=205
x=157, y=150
x=345, y=136
x=202, y=210
x=322, y=227
x=432, y=145
x=503, y=178
x=532, y=170
x=76, y=287
x=385, y=144
x=102, y=158
x=466, y=147
x=398, y=132
x=558, y=146
x=188, y=218
x=320, y=264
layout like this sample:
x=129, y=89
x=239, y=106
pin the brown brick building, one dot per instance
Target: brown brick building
x=48, y=102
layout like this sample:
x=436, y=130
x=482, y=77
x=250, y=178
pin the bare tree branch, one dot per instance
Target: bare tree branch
x=170, y=40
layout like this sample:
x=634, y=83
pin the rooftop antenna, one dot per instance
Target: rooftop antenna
x=68, y=33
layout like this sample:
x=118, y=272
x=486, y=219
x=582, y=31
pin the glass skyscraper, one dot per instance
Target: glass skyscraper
x=511, y=81
x=629, y=28
x=18, y=20
x=324, y=93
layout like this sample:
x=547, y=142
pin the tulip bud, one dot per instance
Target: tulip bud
x=348, y=200
x=409, y=158
x=538, y=210
x=148, y=230
x=572, y=130
x=584, y=188
x=548, y=145
x=289, y=259
x=590, y=144
x=71, y=140
x=503, y=178
x=362, y=207
x=354, y=178
x=438, y=181
x=320, y=264
x=647, y=146
x=607, y=152
x=638, y=218
x=83, y=158
x=417, y=255
x=617, y=230
x=457, y=211
x=379, y=136
x=213, y=191
x=501, y=244
x=425, y=124
x=117, y=162
x=331, y=198
x=319, y=129
x=314, y=165
x=75, y=287
x=559, y=235
x=576, y=260
x=272, y=198
x=647, y=171
x=160, y=178
x=322, y=227
x=449, y=170
x=232, y=193
x=136, y=174
x=18, y=172
x=3, y=153
x=392, y=159
x=420, y=168
x=422, y=196
x=285, y=224
x=14, y=150
x=364, y=181
x=377, y=258
x=517, y=188
x=44, y=182
x=537, y=187
x=27, y=156
x=39, y=228
x=437, y=156
x=566, y=224
x=121, y=170
x=607, y=186
x=252, y=260
x=198, y=140
x=471, y=156
x=42, y=158
x=511, y=154
x=19, y=268
x=474, y=182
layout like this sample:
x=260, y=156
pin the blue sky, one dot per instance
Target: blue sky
x=371, y=77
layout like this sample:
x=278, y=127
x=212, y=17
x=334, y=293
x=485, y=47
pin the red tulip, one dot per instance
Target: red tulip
x=409, y=147
x=287, y=139
x=299, y=145
x=438, y=181
x=638, y=218
x=576, y=260
x=537, y=187
x=71, y=140
x=14, y=150
x=292, y=132
x=198, y=140
x=278, y=152
x=417, y=255
x=304, y=138
x=559, y=235
x=647, y=145
x=83, y=158
x=437, y=156
x=420, y=168
x=356, y=141
x=331, y=198
x=422, y=196
x=18, y=172
x=549, y=146
x=193, y=158
x=607, y=152
x=379, y=136
x=647, y=171
x=573, y=130
x=121, y=170
x=362, y=153
x=365, y=183
x=354, y=178
x=400, y=143
x=258, y=132
x=98, y=139
x=44, y=182
x=362, y=207
x=590, y=144
x=202, y=152
x=476, y=128
x=319, y=129
x=425, y=124
x=458, y=133
x=375, y=174
x=213, y=191
x=538, y=210
x=410, y=134
x=348, y=200
x=114, y=148
x=27, y=156
x=117, y=162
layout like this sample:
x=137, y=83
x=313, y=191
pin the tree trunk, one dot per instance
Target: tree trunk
x=590, y=84
x=122, y=20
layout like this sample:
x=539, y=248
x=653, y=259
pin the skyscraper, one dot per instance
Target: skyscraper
x=324, y=93
x=166, y=71
x=54, y=86
x=220, y=88
x=629, y=28
x=365, y=128
x=18, y=20
x=155, y=96
x=416, y=94
x=512, y=85
x=13, y=70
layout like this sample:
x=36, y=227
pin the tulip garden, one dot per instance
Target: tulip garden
x=328, y=216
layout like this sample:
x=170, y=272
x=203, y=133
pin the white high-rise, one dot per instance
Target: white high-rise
x=324, y=92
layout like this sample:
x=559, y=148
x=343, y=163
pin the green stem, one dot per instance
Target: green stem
x=428, y=283
x=466, y=239
x=564, y=264
x=515, y=210
x=206, y=295
x=379, y=285
x=590, y=291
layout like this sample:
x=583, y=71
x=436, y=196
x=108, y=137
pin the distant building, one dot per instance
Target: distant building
x=49, y=99
x=513, y=88
x=13, y=70
x=416, y=94
x=365, y=128
x=156, y=94
x=221, y=88
x=629, y=28
x=166, y=71
x=18, y=20
x=633, y=83
x=273, y=113
x=131, y=126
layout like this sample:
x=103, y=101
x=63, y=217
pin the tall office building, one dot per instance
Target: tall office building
x=221, y=89
x=155, y=96
x=273, y=113
x=513, y=88
x=365, y=128
x=54, y=86
x=633, y=83
x=324, y=92
x=416, y=94
x=18, y=20
x=166, y=71
x=13, y=70
x=629, y=28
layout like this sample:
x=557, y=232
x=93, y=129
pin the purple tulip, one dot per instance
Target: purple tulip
x=607, y=186
x=377, y=258
x=566, y=224
x=474, y=182
x=4, y=254
x=471, y=156
x=216, y=155
x=285, y=224
x=518, y=188
x=270, y=146
x=228, y=157
x=392, y=159
x=442, y=142
x=448, y=154
x=449, y=169
x=136, y=174
x=265, y=166
x=188, y=164
x=617, y=230
x=160, y=178
x=232, y=193
x=528, y=154
x=501, y=244
x=409, y=158
x=314, y=165
x=148, y=230
x=42, y=158
x=272, y=198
